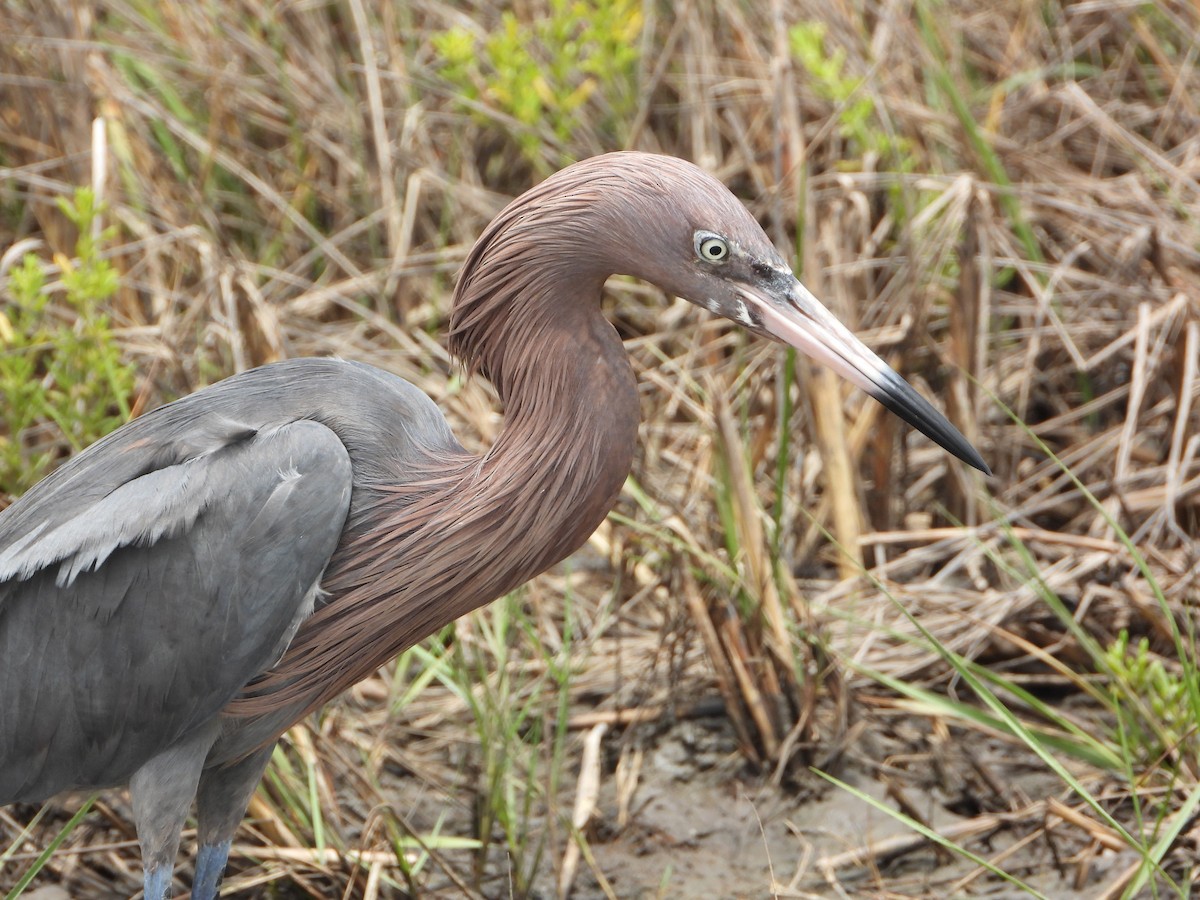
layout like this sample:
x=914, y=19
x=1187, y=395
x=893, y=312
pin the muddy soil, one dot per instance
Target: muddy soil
x=705, y=830
x=702, y=824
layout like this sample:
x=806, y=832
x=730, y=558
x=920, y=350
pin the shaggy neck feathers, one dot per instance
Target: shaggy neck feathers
x=464, y=530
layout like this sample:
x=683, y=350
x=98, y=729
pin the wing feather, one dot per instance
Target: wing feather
x=162, y=503
x=136, y=619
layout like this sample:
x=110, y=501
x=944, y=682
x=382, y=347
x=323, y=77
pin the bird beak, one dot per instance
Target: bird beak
x=793, y=315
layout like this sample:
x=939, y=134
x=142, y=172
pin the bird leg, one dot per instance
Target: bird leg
x=225, y=792
x=162, y=792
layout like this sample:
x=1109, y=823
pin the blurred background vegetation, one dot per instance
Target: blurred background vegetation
x=1001, y=198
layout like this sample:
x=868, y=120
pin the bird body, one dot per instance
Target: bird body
x=176, y=558
x=178, y=594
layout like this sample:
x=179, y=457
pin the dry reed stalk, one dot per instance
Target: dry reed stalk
x=969, y=324
x=825, y=394
x=722, y=668
x=586, y=797
x=751, y=537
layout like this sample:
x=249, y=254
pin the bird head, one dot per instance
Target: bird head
x=681, y=229
x=668, y=222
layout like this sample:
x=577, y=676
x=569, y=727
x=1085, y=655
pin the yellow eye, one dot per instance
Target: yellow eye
x=711, y=248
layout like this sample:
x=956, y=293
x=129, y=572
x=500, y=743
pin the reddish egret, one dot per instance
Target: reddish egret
x=177, y=595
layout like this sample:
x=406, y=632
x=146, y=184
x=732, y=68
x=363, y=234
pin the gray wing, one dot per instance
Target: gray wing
x=133, y=617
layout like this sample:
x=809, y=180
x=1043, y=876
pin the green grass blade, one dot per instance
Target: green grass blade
x=44, y=856
x=923, y=829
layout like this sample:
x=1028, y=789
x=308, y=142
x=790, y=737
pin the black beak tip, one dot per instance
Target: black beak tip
x=971, y=457
x=899, y=396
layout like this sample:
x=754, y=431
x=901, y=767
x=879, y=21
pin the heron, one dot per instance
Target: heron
x=177, y=595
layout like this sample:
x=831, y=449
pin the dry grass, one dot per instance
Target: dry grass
x=1018, y=221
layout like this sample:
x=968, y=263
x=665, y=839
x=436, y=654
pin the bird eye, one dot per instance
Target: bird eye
x=711, y=247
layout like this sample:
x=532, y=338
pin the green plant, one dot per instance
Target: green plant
x=60, y=364
x=522, y=738
x=542, y=73
x=44, y=857
x=1159, y=718
x=858, y=120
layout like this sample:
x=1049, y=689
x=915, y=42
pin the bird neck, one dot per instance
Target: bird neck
x=485, y=525
x=464, y=530
x=571, y=417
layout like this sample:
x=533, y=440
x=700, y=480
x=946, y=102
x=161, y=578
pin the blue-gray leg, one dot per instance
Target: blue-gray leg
x=156, y=882
x=162, y=792
x=225, y=792
x=210, y=868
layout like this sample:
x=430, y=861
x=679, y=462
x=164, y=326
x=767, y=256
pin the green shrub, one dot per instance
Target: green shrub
x=542, y=73
x=857, y=119
x=1152, y=703
x=60, y=365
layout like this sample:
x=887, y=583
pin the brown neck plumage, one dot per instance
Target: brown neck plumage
x=445, y=540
